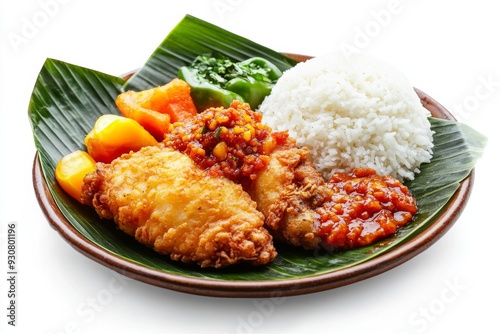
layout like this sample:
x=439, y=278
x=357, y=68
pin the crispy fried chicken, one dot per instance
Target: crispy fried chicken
x=159, y=196
x=287, y=192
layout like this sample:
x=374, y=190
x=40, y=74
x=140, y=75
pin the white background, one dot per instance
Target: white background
x=448, y=49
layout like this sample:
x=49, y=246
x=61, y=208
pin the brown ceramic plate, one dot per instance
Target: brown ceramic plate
x=247, y=286
x=261, y=288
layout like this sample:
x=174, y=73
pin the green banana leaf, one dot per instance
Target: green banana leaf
x=67, y=99
x=193, y=37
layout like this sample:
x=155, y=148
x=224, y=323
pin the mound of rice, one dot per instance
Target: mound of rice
x=352, y=113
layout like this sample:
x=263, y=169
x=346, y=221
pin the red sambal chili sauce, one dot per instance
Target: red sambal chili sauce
x=365, y=207
x=230, y=142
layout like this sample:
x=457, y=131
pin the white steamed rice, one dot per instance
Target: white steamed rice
x=355, y=113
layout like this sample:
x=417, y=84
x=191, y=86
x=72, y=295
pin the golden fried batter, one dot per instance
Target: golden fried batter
x=287, y=192
x=166, y=202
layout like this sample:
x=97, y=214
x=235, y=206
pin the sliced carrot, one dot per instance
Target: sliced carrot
x=156, y=108
x=154, y=122
x=175, y=100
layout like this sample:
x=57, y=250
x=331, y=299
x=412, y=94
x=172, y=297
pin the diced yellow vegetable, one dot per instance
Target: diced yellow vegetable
x=114, y=135
x=71, y=170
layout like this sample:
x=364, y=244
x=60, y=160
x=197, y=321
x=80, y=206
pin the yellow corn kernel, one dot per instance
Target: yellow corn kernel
x=212, y=125
x=220, y=150
x=251, y=128
x=221, y=118
x=238, y=129
x=247, y=135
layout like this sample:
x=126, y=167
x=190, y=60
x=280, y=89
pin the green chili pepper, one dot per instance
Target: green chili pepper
x=252, y=91
x=263, y=69
x=217, y=134
x=206, y=95
x=217, y=81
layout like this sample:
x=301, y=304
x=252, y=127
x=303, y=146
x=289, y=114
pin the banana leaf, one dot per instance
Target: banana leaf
x=193, y=37
x=67, y=99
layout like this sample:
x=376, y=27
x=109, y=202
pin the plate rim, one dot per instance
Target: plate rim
x=261, y=288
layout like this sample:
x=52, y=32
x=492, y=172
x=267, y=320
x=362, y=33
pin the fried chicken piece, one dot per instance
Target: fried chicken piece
x=349, y=211
x=287, y=192
x=166, y=202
